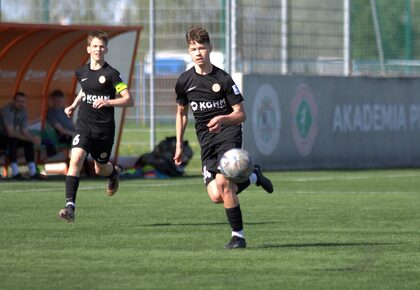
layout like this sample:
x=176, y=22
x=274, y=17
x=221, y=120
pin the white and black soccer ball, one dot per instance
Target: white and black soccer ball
x=236, y=165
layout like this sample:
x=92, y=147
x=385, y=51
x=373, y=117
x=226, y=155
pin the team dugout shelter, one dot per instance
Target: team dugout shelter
x=38, y=59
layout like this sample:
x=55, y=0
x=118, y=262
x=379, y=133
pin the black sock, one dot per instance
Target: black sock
x=234, y=216
x=113, y=174
x=72, y=184
x=241, y=186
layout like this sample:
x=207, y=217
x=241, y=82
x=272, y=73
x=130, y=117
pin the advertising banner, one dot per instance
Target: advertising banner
x=300, y=122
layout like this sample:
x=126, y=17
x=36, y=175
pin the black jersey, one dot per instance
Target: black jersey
x=103, y=83
x=208, y=96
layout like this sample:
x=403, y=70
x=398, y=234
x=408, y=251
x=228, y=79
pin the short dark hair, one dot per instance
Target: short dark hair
x=102, y=35
x=19, y=94
x=57, y=93
x=197, y=34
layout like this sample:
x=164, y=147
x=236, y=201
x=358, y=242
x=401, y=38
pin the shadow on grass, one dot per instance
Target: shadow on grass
x=322, y=245
x=205, y=224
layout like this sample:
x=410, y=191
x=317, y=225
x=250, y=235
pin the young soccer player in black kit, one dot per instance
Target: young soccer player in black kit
x=95, y=126
x=218, y=111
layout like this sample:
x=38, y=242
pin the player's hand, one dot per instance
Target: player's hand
x=178, y=156
x=215, y=125
x=100, y=104
x=69, y=111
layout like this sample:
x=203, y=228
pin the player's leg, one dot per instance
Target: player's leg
x=220, y=190
x=233, y=211
x=112, y=173
x=257, y=178
x=77, y=158
x=227, y=191
x=261, y=180
x=101, y=153
x=103, y=169
x=213, y=192
x=113, y=180
x=209, y=169
x=80, y=147
x=210, y=181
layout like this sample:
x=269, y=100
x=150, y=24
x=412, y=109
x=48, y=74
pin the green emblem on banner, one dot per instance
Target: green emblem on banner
x=304, y=112
x=303, y=118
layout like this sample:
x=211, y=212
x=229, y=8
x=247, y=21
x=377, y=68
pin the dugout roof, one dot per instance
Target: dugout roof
x=38, y=59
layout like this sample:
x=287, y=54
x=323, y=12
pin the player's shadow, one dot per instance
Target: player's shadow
x=321, y=245
x=204, y=224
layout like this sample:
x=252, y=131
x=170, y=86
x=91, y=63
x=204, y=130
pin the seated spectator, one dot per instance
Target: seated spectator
x=14, y=134
x=58, y=119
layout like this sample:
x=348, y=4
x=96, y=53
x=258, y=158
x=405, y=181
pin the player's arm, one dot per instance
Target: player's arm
x=125, y=100
x=70, y=109
x=236, y=117
x=181, y=122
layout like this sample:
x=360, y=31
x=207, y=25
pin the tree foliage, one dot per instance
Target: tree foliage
x=396, y=29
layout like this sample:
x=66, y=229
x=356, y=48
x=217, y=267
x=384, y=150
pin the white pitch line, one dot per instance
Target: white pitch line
x=83, y=188
x=353, y=177
x=354, y=192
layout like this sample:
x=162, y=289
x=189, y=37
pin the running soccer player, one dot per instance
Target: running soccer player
x=95, y=126
x=218, y=111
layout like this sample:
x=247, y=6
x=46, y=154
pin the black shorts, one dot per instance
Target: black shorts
x=98, y=143
x=212, y=152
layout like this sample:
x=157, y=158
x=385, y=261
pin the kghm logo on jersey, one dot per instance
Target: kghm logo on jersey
x=90, y=99
x=266, y=119
x=304, y=113
x=206, y=106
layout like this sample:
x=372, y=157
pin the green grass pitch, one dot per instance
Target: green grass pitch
x=318, y=230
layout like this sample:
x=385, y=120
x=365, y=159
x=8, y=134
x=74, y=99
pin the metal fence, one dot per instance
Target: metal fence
x=304, y=37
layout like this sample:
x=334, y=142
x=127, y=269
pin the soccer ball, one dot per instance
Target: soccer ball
x=236, y=165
